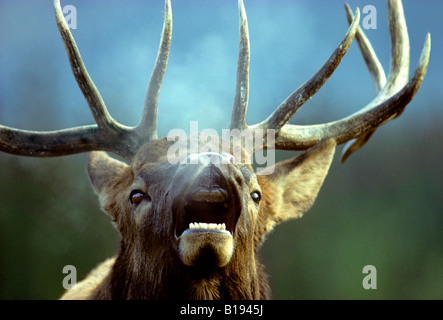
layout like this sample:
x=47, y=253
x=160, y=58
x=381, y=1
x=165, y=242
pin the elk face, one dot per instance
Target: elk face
x=211, y=212
x=210, y=197
x=199, y=208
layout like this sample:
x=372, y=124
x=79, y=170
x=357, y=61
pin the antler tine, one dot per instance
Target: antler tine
x=238, y=118
x=374, y=66
x=148, y=124
x=388, y=104
x=290, y=105
x=84, y=81
x=398, y=32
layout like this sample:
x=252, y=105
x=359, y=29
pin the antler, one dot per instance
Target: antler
x=107, y=134
x=393, y=94
x=392, y=97
x=288, y=107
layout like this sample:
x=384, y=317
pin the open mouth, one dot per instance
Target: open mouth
x=206, y=214
x=208, y=208
x=205, y=221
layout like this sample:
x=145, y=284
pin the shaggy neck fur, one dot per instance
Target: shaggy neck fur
x=165, y=277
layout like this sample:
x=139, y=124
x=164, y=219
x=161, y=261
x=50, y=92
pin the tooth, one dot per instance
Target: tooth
x=204, y=225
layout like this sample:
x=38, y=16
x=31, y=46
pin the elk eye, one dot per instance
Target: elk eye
x=256, y=197
x=136, y=197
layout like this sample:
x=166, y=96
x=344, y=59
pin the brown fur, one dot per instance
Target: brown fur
x=148, y=265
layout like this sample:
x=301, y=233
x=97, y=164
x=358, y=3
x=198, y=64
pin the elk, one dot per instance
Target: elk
x=193, y=230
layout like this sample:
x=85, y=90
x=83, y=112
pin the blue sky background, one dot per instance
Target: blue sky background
x=118, y=41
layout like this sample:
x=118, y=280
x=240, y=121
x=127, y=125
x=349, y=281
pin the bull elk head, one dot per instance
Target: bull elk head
x=191, y=227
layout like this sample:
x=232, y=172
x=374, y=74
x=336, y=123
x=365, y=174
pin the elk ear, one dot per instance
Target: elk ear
x=106, y=172
x=294, y=184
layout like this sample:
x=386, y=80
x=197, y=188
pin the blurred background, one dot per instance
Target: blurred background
x=383, y=207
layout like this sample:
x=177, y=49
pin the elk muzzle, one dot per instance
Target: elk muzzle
x=206, y=213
